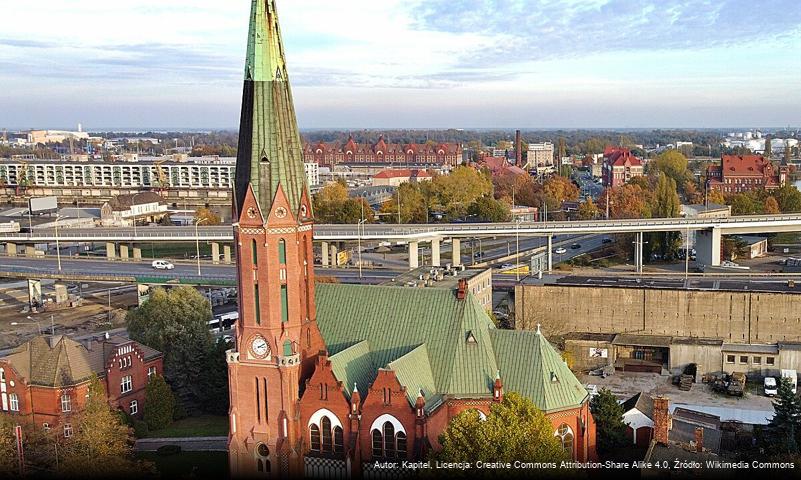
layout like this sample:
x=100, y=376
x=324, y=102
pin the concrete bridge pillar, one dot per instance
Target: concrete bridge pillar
x=325, y=255
x=707, y=247
x=111, y=250
x=639, y=241
x=30, y=251
x=550, y=253
x=414, y=255
x=456, y=246
x=332, y=252
x=215, y=253
x=137, y=253
x=227, y=254
x=435, y=254
x=124, y=253
x=11, y=249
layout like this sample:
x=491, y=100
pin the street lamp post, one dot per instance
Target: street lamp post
x=517, y=255
x=197, y=243
x=359, y=233
x=58, y=247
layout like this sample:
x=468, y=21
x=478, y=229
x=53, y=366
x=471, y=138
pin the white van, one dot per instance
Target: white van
x=162, y=265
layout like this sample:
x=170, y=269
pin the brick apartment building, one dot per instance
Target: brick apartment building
x=325, y=380
x=47, y=378
x=331, y=154
x=620, y=166
x=743, y=173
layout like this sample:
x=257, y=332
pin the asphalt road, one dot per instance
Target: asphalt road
x=587, y=185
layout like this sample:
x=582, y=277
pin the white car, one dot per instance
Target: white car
x=560, y=251
x=162, y=265
x=771, y=388
x=507, y=266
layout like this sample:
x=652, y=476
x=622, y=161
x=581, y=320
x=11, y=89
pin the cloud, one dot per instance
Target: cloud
x=545, y=29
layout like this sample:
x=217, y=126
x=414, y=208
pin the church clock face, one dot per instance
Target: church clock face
x=280, y=212
x=252, y=212
x=259, y=347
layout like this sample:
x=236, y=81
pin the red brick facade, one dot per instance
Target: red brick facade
x=620, y=166
x=331, y=154
x=55, y=405
x=737, y=174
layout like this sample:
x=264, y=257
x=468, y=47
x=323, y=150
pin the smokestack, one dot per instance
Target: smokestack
x=461, y=292
x=518, y=149
x=661, y=419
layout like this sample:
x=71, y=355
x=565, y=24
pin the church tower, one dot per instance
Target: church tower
x=277, y=340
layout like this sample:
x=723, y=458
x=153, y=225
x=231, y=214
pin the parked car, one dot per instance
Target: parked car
x=771, y=387
x=560, y=251
x=162, y=265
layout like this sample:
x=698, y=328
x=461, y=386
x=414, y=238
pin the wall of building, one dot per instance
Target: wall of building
x=707, y=357
x=579, y=351
x=736, y=317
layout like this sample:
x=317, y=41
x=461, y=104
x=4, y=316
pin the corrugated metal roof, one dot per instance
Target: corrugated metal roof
x=750, y=348
x=642, y=340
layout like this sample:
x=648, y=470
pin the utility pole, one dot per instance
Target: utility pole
x=399, y=207
x=607, y=203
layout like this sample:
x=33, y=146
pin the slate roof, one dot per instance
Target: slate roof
x=60, y=361
x=642, y=402
x=437, y=344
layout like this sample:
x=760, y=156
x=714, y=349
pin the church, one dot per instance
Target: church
x=327, y=379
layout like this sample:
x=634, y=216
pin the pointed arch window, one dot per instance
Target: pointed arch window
x=565, y=435
x=328, y=442
x=254, y=252
x=314, y=437
x=282, y=251
x=339, y=444
x=389, y=438
x=287, y=348
x=284, y=304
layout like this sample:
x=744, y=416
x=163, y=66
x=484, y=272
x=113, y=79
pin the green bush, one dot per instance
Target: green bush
x=140, y=428
x=159, y=403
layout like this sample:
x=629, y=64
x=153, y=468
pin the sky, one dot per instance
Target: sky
x=408, y=63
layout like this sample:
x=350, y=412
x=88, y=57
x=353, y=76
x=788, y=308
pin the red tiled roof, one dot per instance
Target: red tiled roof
x=746, y=165
x=619, y=157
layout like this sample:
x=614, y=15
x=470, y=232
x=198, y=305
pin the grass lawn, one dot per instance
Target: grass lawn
x=202, y=426
x=184, y=464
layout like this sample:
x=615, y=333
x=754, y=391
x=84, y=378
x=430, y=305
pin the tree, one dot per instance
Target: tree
x=8, y=447
x=609, y=427
x=518, y=189
x=588, y=210
x=159, y=403
x=462, y=187
x=515, y=429
x=412, y=205
x=673, y=164
x=175, y=322
x=789, y=199
x=487, y=209
x=716, y=196
x=666, y=204
x=786, y=422
x=558, y=190
x=206, y=216
x=333, y=205
x=771, y=206
x=99, y=446
x=626, y=201
x=745, y=204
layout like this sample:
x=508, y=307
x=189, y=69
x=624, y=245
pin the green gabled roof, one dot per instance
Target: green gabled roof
x=414, y=372
x=396, y=321
x=353, y=366
x=529, y=365
x=437, y=343
x=270, y=151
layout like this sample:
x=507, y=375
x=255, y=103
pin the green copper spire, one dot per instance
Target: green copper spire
x=270, y=150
